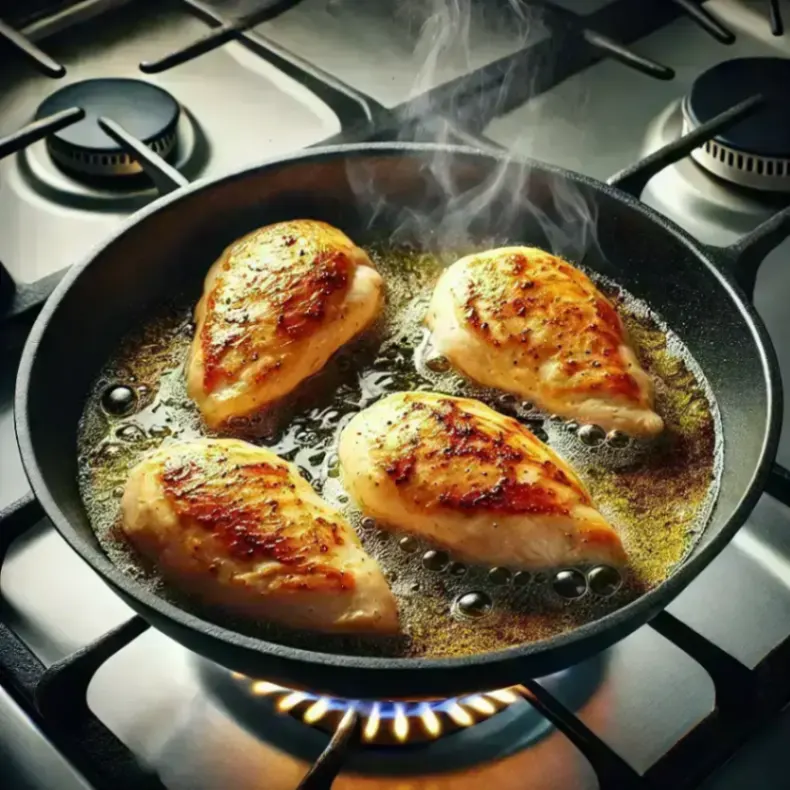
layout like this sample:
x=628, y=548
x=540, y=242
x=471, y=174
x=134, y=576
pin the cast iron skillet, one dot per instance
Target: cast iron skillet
x=370, y=191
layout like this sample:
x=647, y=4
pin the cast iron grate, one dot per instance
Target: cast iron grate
x=574, y=43
x=56, y=700
x=745, y=698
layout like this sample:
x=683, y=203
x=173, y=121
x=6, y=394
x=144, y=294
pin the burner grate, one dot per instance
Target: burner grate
x=581, y=40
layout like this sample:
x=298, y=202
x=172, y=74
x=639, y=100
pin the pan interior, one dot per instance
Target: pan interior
x=169, y=247
x=658, y=495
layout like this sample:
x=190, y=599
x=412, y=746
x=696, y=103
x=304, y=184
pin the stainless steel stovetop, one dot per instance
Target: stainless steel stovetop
x=647, y=693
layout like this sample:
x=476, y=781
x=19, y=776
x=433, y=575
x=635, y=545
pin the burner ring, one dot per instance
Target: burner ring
x=755, y=152
x=394, y=723
x=147, y=112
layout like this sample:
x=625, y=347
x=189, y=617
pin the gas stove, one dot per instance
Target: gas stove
x=91, y=697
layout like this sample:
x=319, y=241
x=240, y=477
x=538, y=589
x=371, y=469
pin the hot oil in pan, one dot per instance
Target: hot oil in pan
x=659, y=497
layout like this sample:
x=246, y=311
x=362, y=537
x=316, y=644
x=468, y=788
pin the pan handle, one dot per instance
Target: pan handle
x=326, y=768
x=742, y=259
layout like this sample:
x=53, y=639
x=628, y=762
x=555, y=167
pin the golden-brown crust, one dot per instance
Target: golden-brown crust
x=432, y=436
x=240, y=530
x=276, y=306
x=287, y=274
x=465, y=477
x=554, y=313
x=239, y=505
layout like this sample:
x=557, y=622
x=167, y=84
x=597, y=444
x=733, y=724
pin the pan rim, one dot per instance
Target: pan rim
x=638, y=612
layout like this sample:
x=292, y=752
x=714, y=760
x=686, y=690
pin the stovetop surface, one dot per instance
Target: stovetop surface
x=642, y=695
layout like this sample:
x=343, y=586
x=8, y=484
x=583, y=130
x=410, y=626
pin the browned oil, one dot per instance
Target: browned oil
x=658, y=497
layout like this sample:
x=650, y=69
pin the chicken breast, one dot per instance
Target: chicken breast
x=524, y=321
x=463, y=476
x=276, y=305
x=237, y=527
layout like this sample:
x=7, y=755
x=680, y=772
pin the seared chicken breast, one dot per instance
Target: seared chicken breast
x=463, y=476
x=524, y=321
x=276, y=305
x=237, y=527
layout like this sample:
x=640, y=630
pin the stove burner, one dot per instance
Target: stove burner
x=144, y=110
x=387, y=723
x=756, y=151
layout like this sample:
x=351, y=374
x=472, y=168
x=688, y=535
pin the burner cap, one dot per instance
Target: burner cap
x=755, y=152
x=144, y=110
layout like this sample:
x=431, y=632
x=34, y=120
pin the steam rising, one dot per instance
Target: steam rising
x=505, y=201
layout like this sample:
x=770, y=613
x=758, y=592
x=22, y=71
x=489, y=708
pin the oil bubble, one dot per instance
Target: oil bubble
x=570, y=583
x=131, y=433
x=435, y=560
x=499, y=576
x=617, y=439
x=118, y=400
x=159, y=431
x=473, y=605
x=438, y=364
x=604, y=580
x=539, y=433
x=591, y=435
x=507, y=401
x=333, y=466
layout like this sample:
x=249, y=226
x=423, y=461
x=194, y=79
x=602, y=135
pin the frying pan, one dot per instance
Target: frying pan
x=373, y=191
